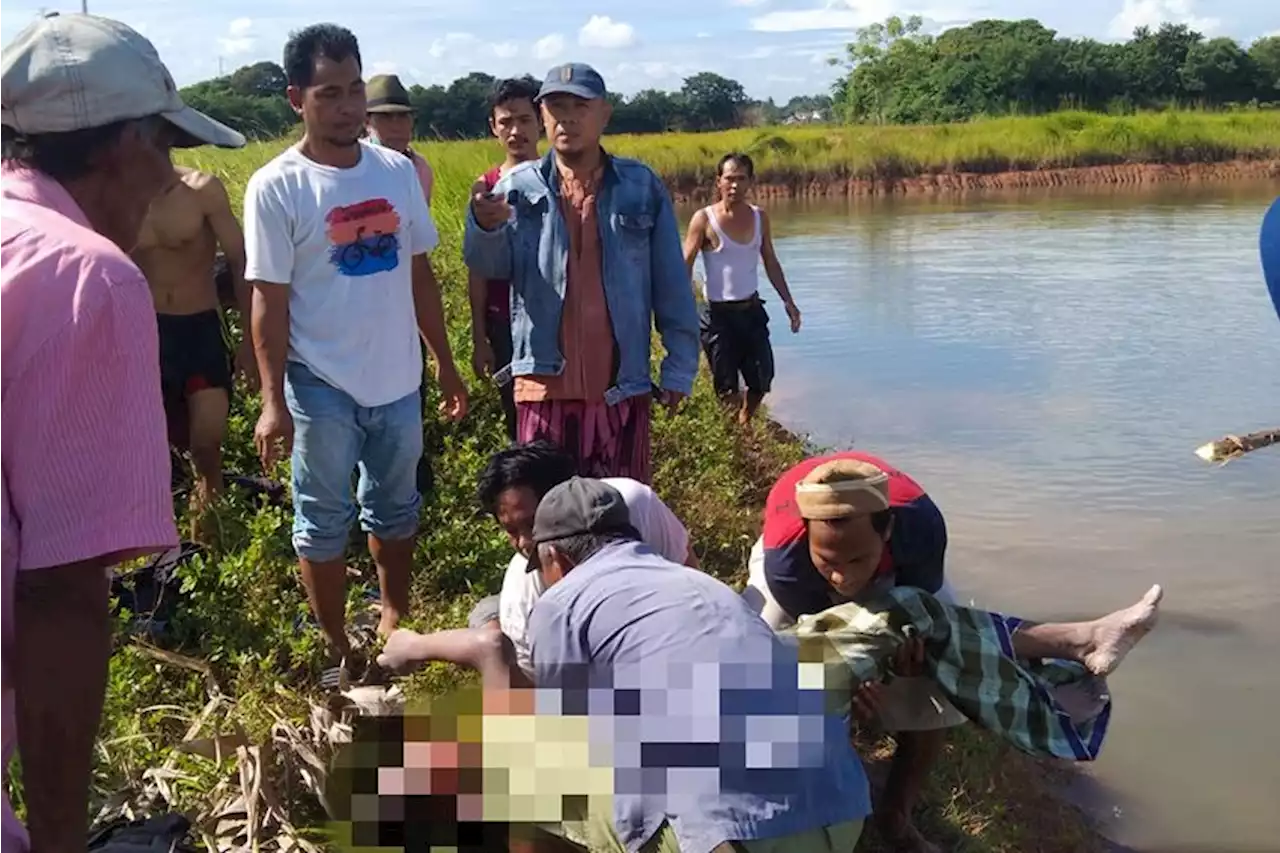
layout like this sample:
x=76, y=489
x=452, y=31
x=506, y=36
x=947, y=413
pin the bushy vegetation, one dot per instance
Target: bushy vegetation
x=252, y=99
x=894, y=74
x=897, y=74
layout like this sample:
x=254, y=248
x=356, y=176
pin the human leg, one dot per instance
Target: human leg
x=207, y=418
x=326, y=447
x=389, y=498
x=757, y=363
x=723, y=355
x=498, y=332
x=1100, y=644
x=556, y=421
x=615, y=438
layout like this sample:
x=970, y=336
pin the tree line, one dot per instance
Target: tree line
x=252, y=100
x=897, y=74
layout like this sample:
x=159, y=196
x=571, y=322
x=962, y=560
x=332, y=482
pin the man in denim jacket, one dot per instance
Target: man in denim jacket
x=591, y=247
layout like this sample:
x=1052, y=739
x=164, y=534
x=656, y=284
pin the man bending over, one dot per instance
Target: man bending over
x=804, y=565
x=185, y=226
x=510, y=488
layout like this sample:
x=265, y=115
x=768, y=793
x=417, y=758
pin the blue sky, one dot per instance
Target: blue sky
x=776, y=48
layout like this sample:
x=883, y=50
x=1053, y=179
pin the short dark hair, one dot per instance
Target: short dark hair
x=513, y=89
x=538, y=465
x=584, y=546
x=743, y=160
x=62, y=156
x=306, y=45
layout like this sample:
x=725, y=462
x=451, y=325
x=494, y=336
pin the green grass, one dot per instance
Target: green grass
x=244, y=612
x=783, y=155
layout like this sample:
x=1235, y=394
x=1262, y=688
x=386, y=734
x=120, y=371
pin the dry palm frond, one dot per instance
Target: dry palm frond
x=1232, y=447
x=249, y=809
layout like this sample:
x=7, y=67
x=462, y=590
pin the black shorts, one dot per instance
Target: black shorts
x=735, y=337
x=193, y=356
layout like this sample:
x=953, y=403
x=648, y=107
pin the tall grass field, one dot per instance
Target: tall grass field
x=251, y=653
x=1056, y=141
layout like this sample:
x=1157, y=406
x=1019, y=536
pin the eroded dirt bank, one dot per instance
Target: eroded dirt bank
x=693, y=189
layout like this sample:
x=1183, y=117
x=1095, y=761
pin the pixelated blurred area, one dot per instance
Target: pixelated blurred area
x=449, y=776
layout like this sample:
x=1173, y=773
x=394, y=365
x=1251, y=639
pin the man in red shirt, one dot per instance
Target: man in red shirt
x=840, y=528
x=513, y=119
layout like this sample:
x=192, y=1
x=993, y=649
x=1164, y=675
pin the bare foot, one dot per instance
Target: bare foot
x=400, y=653
x=1115, y=634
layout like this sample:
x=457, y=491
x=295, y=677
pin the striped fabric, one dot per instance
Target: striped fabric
x=85, y=457
x=1051, y=708
x=606, y=441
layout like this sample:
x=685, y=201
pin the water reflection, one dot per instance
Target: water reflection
x=1045, y=363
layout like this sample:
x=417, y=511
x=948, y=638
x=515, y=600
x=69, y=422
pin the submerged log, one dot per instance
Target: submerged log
x=1234, y=446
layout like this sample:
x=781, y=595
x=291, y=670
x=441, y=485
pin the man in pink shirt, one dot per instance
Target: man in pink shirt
x=89, y=116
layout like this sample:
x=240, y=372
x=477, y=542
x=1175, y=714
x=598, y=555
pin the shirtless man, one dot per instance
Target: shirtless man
x=733, y=237
x=185, y=227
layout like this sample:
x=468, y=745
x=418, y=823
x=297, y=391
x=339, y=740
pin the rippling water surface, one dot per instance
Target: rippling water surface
x=1045, y=364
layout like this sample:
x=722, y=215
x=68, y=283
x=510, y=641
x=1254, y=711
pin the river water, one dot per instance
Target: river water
x=1045, y=365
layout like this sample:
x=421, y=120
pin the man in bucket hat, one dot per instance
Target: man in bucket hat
x=89, y=114
x=389, y=122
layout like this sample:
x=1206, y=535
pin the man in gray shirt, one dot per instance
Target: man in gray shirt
x=713, y=739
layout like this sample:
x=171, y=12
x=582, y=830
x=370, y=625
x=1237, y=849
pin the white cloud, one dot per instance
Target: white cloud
x=506, y=49
x=239, y=38
x=852, y=14
x=1153, y=13
x=452, y=43
x=548, y=47
x=763, y=52
x=703, y=35
x=604, y=32
x=655, y=71
x=747, y=2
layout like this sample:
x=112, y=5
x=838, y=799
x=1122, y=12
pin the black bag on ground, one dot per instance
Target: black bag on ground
x=151, y=592
x=166, y=833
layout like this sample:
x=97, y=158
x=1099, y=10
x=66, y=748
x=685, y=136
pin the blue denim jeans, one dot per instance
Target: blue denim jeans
x=332, y=436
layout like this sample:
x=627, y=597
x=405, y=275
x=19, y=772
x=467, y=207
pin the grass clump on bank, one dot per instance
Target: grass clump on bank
x=252, y=655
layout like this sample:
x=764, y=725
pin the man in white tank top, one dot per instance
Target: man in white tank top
x=733, y=236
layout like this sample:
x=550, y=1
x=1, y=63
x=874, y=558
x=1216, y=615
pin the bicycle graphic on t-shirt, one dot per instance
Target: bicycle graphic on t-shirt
x=365, y=237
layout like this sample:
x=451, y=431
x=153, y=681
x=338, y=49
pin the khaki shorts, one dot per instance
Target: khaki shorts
x=910, y=704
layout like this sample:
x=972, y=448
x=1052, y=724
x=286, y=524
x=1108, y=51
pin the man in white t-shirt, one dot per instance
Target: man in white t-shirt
x=510, y=488
x=336, y=235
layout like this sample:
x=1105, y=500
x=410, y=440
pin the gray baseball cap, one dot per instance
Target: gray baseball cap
x=576, y=506
x=573, y=78
x=74, y=72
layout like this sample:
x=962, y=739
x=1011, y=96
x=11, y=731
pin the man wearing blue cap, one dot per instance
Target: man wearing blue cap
x=590, y=244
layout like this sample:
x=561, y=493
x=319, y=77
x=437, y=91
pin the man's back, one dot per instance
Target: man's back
x=709, y=727
x=176, y=247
